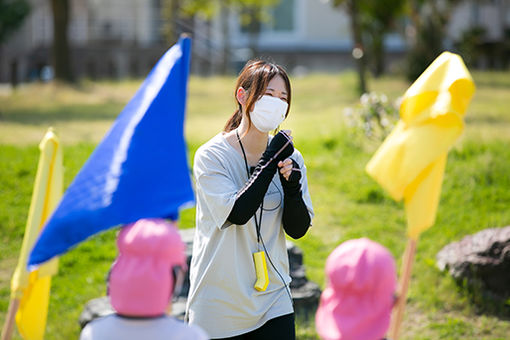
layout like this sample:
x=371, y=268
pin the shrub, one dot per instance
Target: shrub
x=375, y=116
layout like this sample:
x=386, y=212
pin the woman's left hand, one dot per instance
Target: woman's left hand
x=286, y=168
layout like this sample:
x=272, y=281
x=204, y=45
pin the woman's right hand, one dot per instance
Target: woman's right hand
x=281, y=146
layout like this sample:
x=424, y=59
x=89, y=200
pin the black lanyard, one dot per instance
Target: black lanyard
x=259, y=222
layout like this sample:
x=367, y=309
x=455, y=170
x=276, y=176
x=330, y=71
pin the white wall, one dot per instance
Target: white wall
x=126, y=20
x=319, y=27
x=491, y=15
x=325, y=23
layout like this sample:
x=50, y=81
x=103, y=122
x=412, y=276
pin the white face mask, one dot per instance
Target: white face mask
x=268, y=113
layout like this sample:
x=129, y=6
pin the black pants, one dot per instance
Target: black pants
x=280, y=328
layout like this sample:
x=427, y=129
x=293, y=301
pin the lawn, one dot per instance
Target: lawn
x=348, y=204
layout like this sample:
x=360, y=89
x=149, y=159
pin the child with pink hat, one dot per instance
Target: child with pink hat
x=141, y=285
x=360, y=292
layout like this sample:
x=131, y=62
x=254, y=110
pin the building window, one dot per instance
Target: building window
x=275, y=19
x=283, y=17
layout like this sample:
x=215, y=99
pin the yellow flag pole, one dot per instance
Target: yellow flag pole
x=405, y=276
x=9, y=320
x=29, y=300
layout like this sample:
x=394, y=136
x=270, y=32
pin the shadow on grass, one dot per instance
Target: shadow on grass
x=61, y=113
x=473, y=120
x=484, y=301
x=493, y=83
x=491, y=79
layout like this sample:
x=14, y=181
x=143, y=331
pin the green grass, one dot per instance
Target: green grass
x=347, y=203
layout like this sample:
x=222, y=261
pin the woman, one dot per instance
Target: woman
x=251, y=190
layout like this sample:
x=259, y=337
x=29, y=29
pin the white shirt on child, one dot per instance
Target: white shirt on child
x=160, y=328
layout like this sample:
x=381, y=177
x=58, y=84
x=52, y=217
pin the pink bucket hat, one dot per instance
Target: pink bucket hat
x=141, y=281
x=359, y=296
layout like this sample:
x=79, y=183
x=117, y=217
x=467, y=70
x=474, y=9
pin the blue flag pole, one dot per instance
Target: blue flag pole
x=140, y=168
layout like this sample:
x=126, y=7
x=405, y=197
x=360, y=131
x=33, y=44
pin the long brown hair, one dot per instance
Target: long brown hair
x=254, y=77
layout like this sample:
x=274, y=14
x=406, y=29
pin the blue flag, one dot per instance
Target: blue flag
x=140, y=168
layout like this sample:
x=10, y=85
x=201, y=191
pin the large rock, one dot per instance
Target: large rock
x=95, y=308
x=305, y=293
x=481, y=260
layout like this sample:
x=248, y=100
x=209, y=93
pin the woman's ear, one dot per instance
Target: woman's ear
x=241, y=96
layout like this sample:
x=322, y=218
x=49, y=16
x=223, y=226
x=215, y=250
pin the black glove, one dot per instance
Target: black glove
x=292, y=186
x=250, y=196
x=280, y=148
x=296, y=219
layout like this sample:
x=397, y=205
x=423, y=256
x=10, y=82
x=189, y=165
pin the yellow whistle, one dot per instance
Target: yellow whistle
x=259, y=259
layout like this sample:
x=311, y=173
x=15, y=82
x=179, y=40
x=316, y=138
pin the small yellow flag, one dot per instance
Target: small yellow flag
x=410, y=163
x=33, y=288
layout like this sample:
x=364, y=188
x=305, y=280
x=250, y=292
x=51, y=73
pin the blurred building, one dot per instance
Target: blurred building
x=310, y=34
x=484, y=26
x=108, y=38
x=300, y=34
x=123, y=38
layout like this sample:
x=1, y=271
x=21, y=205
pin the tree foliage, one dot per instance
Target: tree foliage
x=374, y=19
x=178, y=17
x=429, y=19
x=353, y=10
x=250, y=11
x=377, y=19
x=12, y=14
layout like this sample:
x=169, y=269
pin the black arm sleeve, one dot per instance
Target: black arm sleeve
x=296, y=219
x=250, y=196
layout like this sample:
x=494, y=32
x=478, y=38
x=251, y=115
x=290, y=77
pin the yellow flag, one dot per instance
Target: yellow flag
x=33, y=288
x=410, y=163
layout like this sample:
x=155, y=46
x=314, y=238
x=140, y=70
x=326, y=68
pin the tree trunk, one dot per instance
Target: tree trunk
x=14, y=74
x=174, y=18
x=61, y=52
x=378, y=53
x=358, y=43
x=415, y=13
x=224, y=14
x=254, y=30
